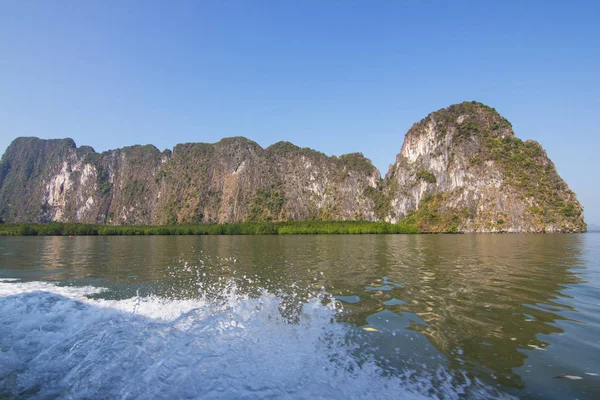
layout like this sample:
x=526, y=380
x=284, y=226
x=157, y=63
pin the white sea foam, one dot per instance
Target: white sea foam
x=56, y=342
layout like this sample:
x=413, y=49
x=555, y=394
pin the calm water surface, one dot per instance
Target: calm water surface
x=398, y=316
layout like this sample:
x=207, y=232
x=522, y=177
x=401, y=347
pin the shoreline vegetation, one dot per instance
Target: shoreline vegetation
x=244, y=228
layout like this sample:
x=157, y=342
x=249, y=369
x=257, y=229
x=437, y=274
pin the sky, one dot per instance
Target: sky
x=336, y=76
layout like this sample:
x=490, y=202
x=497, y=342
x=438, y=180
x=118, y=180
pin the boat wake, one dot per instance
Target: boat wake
x=63, y=342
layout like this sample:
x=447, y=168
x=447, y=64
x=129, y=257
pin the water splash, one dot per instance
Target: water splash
x=57, y=342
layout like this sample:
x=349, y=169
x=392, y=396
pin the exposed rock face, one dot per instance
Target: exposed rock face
x=237, y=180
x=229, y=181
x=460, y=168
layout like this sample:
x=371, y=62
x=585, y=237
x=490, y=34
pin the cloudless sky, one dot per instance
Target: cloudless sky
x=336, y=76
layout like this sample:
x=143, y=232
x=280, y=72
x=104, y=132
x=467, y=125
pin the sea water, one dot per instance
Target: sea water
x=300, y=317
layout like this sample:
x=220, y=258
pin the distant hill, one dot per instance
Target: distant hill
x=460, y=169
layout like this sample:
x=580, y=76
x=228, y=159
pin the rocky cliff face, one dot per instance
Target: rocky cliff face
x=460, y=168
x=230, y=181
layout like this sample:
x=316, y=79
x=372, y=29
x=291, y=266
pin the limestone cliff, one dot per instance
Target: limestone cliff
x=460, y=169
x=230, y=181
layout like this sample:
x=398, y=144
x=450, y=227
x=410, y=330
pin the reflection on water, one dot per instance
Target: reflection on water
x=513, y=310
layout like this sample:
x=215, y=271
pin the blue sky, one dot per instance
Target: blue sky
x=336, y=76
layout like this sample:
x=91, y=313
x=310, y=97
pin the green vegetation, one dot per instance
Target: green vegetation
x=283, y=148
x=343, y=227
x=103, y=182
x=477, y=117
x=49, y=229
x=381, y=201
x=466, y=130
x=432, y=217
x=90, y=157
x=356, y=162
x=426, y=176
x=290, y=149
x=475, y=161
x=266, y=205
x=245, y=228
x=526, y=167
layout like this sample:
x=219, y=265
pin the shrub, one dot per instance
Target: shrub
x=426, y=176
